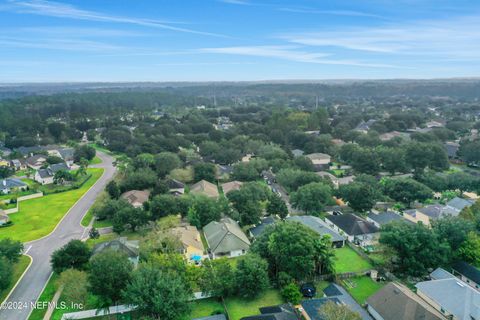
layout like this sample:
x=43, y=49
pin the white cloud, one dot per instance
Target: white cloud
x=240, y=2
x=59, y=44
x=349, y=13
x=458, y=37
x=291, y=53
x=60, y=10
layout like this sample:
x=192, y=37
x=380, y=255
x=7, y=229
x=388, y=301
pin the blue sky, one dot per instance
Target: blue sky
x=236, y=40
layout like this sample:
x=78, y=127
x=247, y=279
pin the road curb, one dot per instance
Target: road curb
x=19, y=279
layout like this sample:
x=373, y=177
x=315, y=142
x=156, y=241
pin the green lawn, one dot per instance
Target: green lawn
x=38, y=217
x=18, y=270
x=239, y=308
x=95, y=160
x=349, y=261
x=361, y=288
x=205, y=307
x=9, y=196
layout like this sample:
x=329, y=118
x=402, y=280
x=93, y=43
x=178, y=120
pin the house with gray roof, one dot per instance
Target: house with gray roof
x=356, y=229
x=382, y=218
x=297, y=152
x=225, y=238
x=123, y=245
x=258, y=229
x=452, y=297
x=458, y=204
x=334, y=293
x=46, y=176
x=320, y=227
x=452, y=149
x=467, y=273
x=10, y=184
x=281, y=312
x=441, y=273
x=396, y=302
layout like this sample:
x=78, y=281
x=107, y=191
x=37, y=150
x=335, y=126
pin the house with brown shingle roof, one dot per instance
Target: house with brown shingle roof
x=136, y=197
x=191, y=241
x=231, y=186
x=205, y=188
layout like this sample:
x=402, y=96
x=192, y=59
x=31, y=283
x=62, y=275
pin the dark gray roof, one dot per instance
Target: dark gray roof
x=66, y=153
x=45, y=173
x=260, y=228
x=459, y=203
x=59, y=166
x=397, y=302
x=454, y=295
x=130, y=248
x=313, y=306
x=318, y=225
x=467, y=270
x=433, y=211
x=25, y=151
x=452, y=149
x=332, y=291
x=385, y=217
x=9, y=183
x=352, y=224
x=280, y=312
x=175, y=184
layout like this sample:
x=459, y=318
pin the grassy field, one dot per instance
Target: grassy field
x=18, y=270
x=239, y=308
x=361, y=288
x=95, y=160
x=38, y=217
x=205, y=307
x=46, y=296
x=349, y=261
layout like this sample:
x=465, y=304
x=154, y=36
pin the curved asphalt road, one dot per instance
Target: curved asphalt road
x=34, y=280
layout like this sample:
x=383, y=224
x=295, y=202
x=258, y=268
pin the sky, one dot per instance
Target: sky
x=237, y=40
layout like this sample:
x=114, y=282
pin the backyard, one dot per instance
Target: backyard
x=38, y=217
x=361, y=288
x=206, y=307
x=349, y=261
x=239, y=308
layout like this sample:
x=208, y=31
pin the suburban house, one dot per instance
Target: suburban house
x=357, y=230
x=175, y=187
x=435, y=211
x=258, y=229
x=321, y=161
x=452, y=149
x=28, y=151
x=4, y=219
x=46, y=176
x=9, y=184
x=335, y=293
x=205, y=188
x=280, y=312
x=136, y=197
x=467, y=273
x=66, y=154
x=458, y=204
x=452, y=297
x=297, y=153
x=4, y=162
x=393, y=134
x=396, y=302
x=36, y=162
x=191, y=241
x=18, y=164
x=416, y=216
x=4, y=151
x=328, y=175
x=231, y=186
x=225, y=238
x=385, y=217
x=128, y=247
x=320, y=227
x=364, y=126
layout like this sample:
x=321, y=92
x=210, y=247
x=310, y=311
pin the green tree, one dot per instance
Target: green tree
x=291, y=293
x=251, y=276
x=360, y=196
x=452, y=230
x=332, y=311
x=407, y=190
x=469, y=250
x=84, y=151
x=204, y=171
x=417, y=248
x=113, y=189
x=6, y=271
x=75, y=254
x=294, y=249
x=75, y=286
x=217, y=278
x=108, y=275
x=11, y=249
x=203, y=211
x=366, y=161
x=276, y=205
x=166, y=162
x=158, y=294
x=312, y=198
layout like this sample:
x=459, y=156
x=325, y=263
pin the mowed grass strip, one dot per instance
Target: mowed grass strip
x=361, y=288
x=348, y=260
x=38, y=217
x=18, y=269
x=239, y=308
